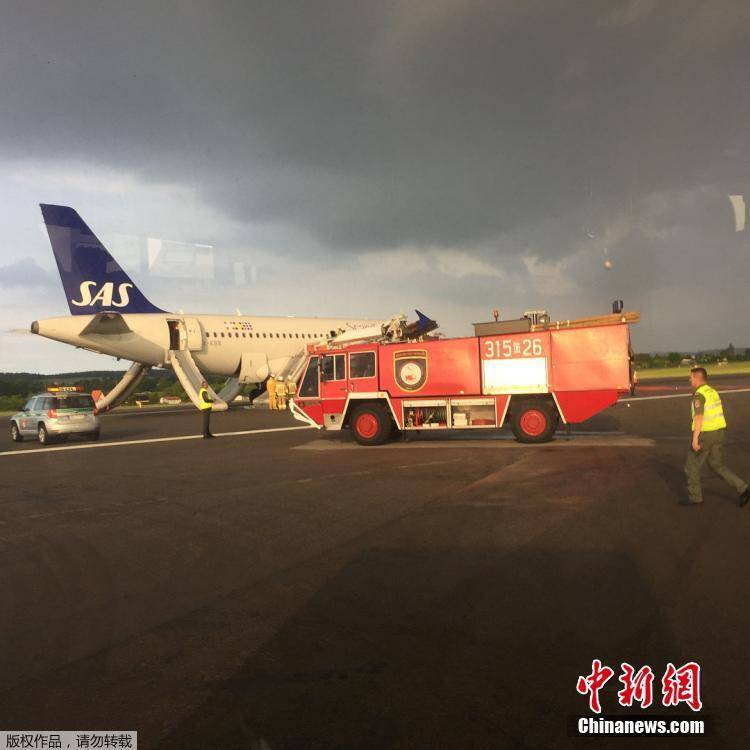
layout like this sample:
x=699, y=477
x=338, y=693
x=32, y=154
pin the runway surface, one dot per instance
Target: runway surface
x=291, y=588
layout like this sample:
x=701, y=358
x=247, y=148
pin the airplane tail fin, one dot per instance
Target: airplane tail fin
x=422, y=319
x=92, y=278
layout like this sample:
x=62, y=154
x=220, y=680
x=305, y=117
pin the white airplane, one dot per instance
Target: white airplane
x=110, y=315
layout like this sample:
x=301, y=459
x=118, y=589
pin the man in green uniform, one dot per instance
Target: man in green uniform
x=206, y=404
x=708, y=427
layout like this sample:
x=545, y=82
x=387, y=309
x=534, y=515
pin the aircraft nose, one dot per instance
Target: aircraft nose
x=35, y=327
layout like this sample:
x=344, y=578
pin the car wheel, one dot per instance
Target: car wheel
x=534, y=421
x=370, y=424
x=44, y=438
x=15, y=433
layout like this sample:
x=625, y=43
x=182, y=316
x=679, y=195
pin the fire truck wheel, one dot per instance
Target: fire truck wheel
x=534, y=421
x=370, y=424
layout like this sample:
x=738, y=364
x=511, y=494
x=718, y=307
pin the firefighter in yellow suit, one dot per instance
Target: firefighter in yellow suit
x=206, y=405
x=271, y=388
x=291, y=388
x=708, y=426
x=280, y=393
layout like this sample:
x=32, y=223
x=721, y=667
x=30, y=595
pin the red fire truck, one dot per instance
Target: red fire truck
x=530, y=374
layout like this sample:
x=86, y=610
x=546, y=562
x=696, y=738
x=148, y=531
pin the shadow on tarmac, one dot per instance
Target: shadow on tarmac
x=439, y=648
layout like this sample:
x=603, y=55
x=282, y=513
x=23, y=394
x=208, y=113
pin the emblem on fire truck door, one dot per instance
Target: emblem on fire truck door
x=410, y=369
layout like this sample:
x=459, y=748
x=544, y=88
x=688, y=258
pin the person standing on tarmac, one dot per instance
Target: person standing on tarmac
x=280, y=394
x=206, y=405
x=291, y=388
x=271, y=388
x=708, y=427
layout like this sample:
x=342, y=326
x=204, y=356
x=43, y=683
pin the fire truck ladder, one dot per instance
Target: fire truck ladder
x=392, y=330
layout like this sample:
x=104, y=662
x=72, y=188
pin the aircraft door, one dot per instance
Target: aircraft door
x=194, y=334
x=175, y=334
x=180, y=337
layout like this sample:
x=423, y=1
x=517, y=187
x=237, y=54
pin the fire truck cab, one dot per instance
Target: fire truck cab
x=533, y=379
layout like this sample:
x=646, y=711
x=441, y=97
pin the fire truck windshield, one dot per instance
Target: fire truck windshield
x=309, y=387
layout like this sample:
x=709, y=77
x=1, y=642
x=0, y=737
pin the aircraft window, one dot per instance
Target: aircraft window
x=334, y=367
x=283, y=335
x=277, y=336
x=243, y=335
x=362, y=365
x=309, y=387
x=264, y=335
x=222, y=334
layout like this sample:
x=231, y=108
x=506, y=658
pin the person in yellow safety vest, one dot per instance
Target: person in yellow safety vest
x=291, y=388
x=271, y=388
x=281, y=393
x=708, y=426
x=206, y=405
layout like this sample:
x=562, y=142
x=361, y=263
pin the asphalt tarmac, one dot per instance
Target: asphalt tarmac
x=280, y=588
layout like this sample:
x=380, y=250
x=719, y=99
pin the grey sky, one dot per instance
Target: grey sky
x=360, y=158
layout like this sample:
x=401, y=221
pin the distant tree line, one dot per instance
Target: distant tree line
x=673, y=359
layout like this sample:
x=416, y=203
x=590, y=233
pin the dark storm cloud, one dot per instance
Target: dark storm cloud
x=25, y=273
x=371, y=125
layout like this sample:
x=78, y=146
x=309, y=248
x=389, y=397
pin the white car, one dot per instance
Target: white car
x=56, y=414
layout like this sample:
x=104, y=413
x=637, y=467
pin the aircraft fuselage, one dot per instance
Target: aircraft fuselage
x=216, y=342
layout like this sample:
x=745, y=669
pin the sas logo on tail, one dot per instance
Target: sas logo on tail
x=103, y=296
